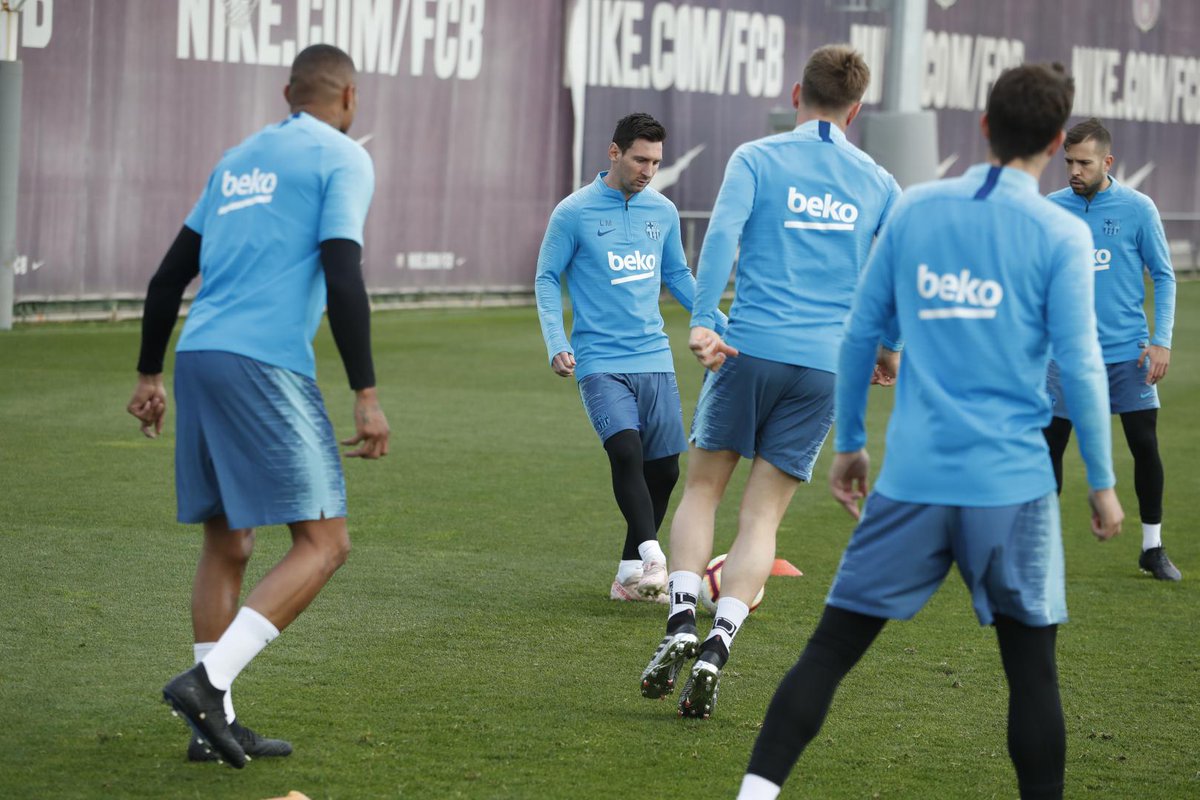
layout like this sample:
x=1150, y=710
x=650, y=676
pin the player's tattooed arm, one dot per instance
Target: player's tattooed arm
x=371, y=427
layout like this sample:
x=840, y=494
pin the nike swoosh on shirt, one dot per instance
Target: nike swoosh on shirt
x=1147, y=394
x=603, y=232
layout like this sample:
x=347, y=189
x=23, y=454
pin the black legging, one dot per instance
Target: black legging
x=642, y=488
x=1141, y=434
x=1036, y=733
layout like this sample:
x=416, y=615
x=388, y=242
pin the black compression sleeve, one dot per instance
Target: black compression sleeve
x=179, y=266
x=349, y=309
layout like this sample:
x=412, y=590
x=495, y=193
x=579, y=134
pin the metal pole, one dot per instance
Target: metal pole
x=10, y=167
x=901, y=137
x=905, y=68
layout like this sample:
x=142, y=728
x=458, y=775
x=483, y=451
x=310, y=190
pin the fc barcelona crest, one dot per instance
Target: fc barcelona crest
x=652, y=230
x=1112, y=227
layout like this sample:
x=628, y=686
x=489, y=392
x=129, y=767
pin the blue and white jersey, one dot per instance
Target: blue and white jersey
x=985, y=276
x=268, y=205
x=1128, y=235
x=806, y=206
x=617, y=255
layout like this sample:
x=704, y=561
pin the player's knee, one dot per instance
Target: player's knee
x=624, y=449
x=664, y=471
x=338, y=552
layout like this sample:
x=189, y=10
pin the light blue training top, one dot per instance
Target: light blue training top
x=806, y=206
x=1128, y=235
x=617, y=255
x=985, y=276
x=268, y=205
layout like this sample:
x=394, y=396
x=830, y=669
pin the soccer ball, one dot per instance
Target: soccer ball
x=710, y=585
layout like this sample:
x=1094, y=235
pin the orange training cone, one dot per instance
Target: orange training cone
x=784, y=567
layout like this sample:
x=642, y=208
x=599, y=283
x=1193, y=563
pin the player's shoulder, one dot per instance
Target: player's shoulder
x=571, y=208
x=1062, y=197
x=1057, y=219
x=657, y=200
x=1138, y=200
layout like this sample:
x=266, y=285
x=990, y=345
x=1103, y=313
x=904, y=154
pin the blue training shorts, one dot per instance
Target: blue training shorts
x=646, y=402
x=1127, y=389
x=778, y=411
x=253, y=442
x=1010, y=558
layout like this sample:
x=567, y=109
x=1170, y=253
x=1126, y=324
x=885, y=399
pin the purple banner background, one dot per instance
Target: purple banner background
x=127, y=105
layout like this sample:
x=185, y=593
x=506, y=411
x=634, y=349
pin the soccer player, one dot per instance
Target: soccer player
x=276, y=236
x=985, y=276
x=805, y=206
x=617, y=240
x=1128, y=236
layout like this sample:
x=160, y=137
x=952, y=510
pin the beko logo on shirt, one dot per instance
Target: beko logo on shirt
x=1101, y=259
x=252, y=188
x=827, y=213
x=975, y=298
x=641, y=265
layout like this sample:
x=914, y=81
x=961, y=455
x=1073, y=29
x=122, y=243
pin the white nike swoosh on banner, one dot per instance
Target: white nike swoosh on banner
x=946, y=164
x=1134, y=180
x=669, y=176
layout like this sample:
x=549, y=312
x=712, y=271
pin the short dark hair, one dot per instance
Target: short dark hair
x=1027, y=108
x=638, y=126
x=1090, y=129
x=318, y=72
x=835, y=77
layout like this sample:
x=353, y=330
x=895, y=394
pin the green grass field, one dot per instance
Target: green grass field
x=468, y=648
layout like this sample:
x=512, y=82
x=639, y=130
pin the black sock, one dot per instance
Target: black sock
x=629, y=486
x=681, y=619
x=1037, y=739
x=803, y=697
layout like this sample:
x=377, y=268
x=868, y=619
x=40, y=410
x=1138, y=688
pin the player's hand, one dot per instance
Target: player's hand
x=563, y=364
x=371, y=427
x=848, y=479
x=149, y=404
x=1107, y=514
x=1160, y=359
x=887, y=367
x=709, y=348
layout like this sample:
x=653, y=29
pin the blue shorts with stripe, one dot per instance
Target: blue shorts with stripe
x=646, y=402
x=754, y=406
x=1127, y=389
x=1010, y=558
x=253, y=442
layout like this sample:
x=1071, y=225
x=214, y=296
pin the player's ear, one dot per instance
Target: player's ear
x=614, y=152
x=854, y=109
x=287, y=94
x=348, y=97
x=983, y=126
x=1056, y=144
x=796, y=97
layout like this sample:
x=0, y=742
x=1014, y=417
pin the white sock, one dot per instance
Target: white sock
x=200, y=650
x=652, y=551
x=1151, y=536
x=626, y=569
x=683, y=588
x=245, y=638
x=731, y=613
x=755, y=787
